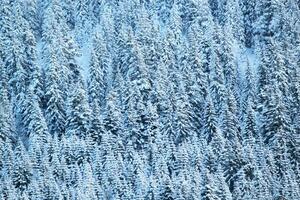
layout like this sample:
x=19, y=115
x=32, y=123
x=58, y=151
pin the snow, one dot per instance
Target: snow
x=39, y=48
x=149, y=145
x=83, y=60
x=247, y=57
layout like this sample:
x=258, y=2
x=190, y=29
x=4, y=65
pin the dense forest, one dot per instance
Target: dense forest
x=150, y=99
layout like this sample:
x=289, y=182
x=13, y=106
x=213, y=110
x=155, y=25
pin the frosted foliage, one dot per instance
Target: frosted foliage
x=149, y=99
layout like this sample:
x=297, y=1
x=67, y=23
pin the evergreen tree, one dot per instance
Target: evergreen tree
x=78, y=112
x=267, y=23
x=198, y=90
x=6, y=115
x=208, y=191
x=249, y=91
x=33, y=119
x=166, y=190
x=21, y=171
x=69, y=13
x=222, y=187
x=276, y=128
x=96, y=125
x=100, y=63
x=30, y=63
x=31, y=15
x=233, y=19
x=183, y=127
x=82, y=19
x=250, y=128
x=217, y=87
x=230, y=121
x=88, y=185
x=55, y=105
x=210, y=122
x=249, y=18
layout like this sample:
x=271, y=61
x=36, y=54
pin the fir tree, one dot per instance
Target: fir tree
x=33, y=119
x=78, y=112
x=21, y=173
x=100, y=63
x=249, y=17
x=208, y=191
x=55, y=105
x=6, y=114
x=210, y=122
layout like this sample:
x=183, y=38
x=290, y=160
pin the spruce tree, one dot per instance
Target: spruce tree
x=99, y=66
x=208, y=190
x=249, y=17
x=33, y=119
x=78, y=112
x=21, y=170
x=6, y=115
x=211, y=127
x=55, y=104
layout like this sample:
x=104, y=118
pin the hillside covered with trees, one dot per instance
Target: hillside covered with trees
x=149, y=99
